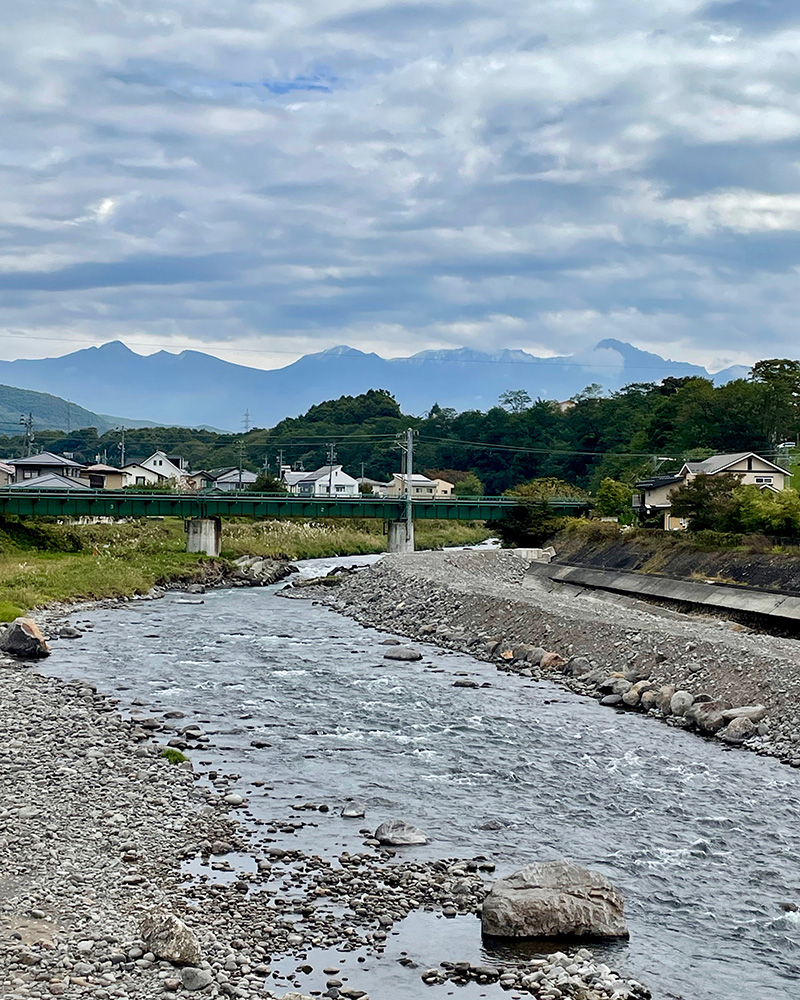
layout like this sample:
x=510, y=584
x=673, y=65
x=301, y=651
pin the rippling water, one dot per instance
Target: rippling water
x=703, y=841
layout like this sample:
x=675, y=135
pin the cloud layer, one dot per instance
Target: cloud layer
x=264, y=179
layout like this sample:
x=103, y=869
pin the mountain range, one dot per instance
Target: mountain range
x=197, y=389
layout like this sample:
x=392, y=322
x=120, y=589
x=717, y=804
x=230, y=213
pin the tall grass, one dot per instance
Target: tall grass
x=42, y=562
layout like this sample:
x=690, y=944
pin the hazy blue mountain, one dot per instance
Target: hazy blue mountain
x=193, y=388
x=52, y=413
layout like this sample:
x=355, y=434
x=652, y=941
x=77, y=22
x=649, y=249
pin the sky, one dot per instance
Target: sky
x=262, y=180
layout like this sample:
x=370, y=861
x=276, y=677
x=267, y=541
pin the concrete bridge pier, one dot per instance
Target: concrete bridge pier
x=401, y=536
x=203, y=534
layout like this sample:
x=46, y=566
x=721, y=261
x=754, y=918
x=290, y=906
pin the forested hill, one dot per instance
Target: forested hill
x=51, y=412
x=624, y=436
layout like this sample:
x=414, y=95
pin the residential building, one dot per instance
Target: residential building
x=50, y=481
x=103, y=477
x=749, y=468
x=376, y=488
x=330, y=480
x=45, y=463
x=233, y=479
x=137, y=475
x=6, y=474
x=422, y=488
x=169, y=467
x=203, y=479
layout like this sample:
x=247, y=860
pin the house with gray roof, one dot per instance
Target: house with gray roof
x=45, y=463
x=748, y=467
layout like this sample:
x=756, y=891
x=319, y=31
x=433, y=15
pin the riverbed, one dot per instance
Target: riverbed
x=703, y=841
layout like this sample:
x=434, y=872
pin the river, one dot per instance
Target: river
x=703, y=841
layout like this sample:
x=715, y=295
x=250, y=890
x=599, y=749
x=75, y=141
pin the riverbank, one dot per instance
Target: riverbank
x=689, y=670
x=42, y=562
x=98, y=828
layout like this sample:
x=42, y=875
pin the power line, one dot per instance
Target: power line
x=489, y=446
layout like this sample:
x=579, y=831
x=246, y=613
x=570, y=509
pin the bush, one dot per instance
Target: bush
x=173, y=756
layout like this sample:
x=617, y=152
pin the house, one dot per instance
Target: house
x=45, y=463
x=330, y=480
x=203, y=479
x=103, y=477
x=751, y=470
x=233, y=479
x=170, y=468
x=422, y=488
x=50, y=481
x=371, y=486
x=137, y=475
x=6, y=474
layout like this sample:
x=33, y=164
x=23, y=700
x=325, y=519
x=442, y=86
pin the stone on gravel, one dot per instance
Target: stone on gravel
x=399, y=833
x=737, y=730
x=69, y=632
x=195, y=979
x=755, y=713
x=552, y=661
x=22, y=638
x=402, y=653
x=554, y=899
x=169, y=938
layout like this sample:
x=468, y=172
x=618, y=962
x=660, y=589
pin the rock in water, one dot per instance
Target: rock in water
x=400, y=833
x=554, y=899
x=353, y=810
x=402, y=653
x=169, y=938
x=22, y=638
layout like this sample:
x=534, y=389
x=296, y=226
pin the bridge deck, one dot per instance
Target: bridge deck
x=124, y=503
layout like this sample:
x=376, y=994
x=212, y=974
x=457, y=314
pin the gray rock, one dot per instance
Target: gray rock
x=402, y=653
x=69, y=632
x=680, y=703
x=534, y=655
x=465, y=682
x=706, y=715
x=400, y=833
x=664, y=698
x=554, y=899
x=611, y=700
x=578, y=666
x=195, y=979
x=22, y=638
x=737, y=730
x=353, y=810
x=169, y=938
x=755, y=713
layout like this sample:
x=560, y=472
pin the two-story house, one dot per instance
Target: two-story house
x=45, y=463
x=749, y=468
x=330, y=480
x=422, y=488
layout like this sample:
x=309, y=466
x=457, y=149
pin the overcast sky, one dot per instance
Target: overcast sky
x=265, y=179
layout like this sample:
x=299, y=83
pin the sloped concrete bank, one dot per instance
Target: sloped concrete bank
x=716, y=677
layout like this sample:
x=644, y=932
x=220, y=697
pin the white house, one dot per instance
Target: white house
x=422, y=488
x=748, y=467
x=137, y=475
x=330, y=480
x=234, y=479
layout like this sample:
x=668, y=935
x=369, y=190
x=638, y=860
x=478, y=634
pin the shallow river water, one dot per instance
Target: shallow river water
x=703, y=841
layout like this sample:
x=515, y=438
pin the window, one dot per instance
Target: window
x=764, y=479
x=340, y=489
x=140, y=480
x=28, y=474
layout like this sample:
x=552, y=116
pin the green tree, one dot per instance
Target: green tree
x=516, y=400
x=707, y=502
x=267, y=483
x=469, y=486
x=613, y=498
x=778, y=382
x=547, y=488
x=766, y=512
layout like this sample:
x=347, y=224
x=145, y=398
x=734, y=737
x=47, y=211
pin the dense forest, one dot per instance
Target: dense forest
x=625, y=436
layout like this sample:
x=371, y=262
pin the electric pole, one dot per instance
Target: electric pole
x=331, y=460
x=241, y=462
x=27, y=423
x=409, y=472
x=121, y=447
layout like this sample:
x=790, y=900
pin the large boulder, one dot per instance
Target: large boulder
x=169, y=938
x=755, y=713
x=737, y=730
x=399, y=833
x=554, y=899
x=22, y=638
x=402, y=653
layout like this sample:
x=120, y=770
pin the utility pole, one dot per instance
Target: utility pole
x=241, y=462
x=27, y=423
x=331, y=460
x=409, y=471
x=69, y=417
x=121, y=447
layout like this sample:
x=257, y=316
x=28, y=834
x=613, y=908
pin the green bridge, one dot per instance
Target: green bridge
x=206, y=509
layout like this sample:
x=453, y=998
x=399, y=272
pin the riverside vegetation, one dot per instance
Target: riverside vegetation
x=44, y=562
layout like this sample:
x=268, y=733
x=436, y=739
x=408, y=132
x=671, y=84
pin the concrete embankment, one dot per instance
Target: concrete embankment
x=694, y=672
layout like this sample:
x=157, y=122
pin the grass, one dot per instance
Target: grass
x=42, y=562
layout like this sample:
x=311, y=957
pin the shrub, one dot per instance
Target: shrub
x=173, y=756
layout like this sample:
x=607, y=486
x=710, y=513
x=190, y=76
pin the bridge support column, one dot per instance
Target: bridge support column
x=401, y=537
x=203, y=534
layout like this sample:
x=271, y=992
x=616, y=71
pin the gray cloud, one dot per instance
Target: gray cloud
x=400, y=176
